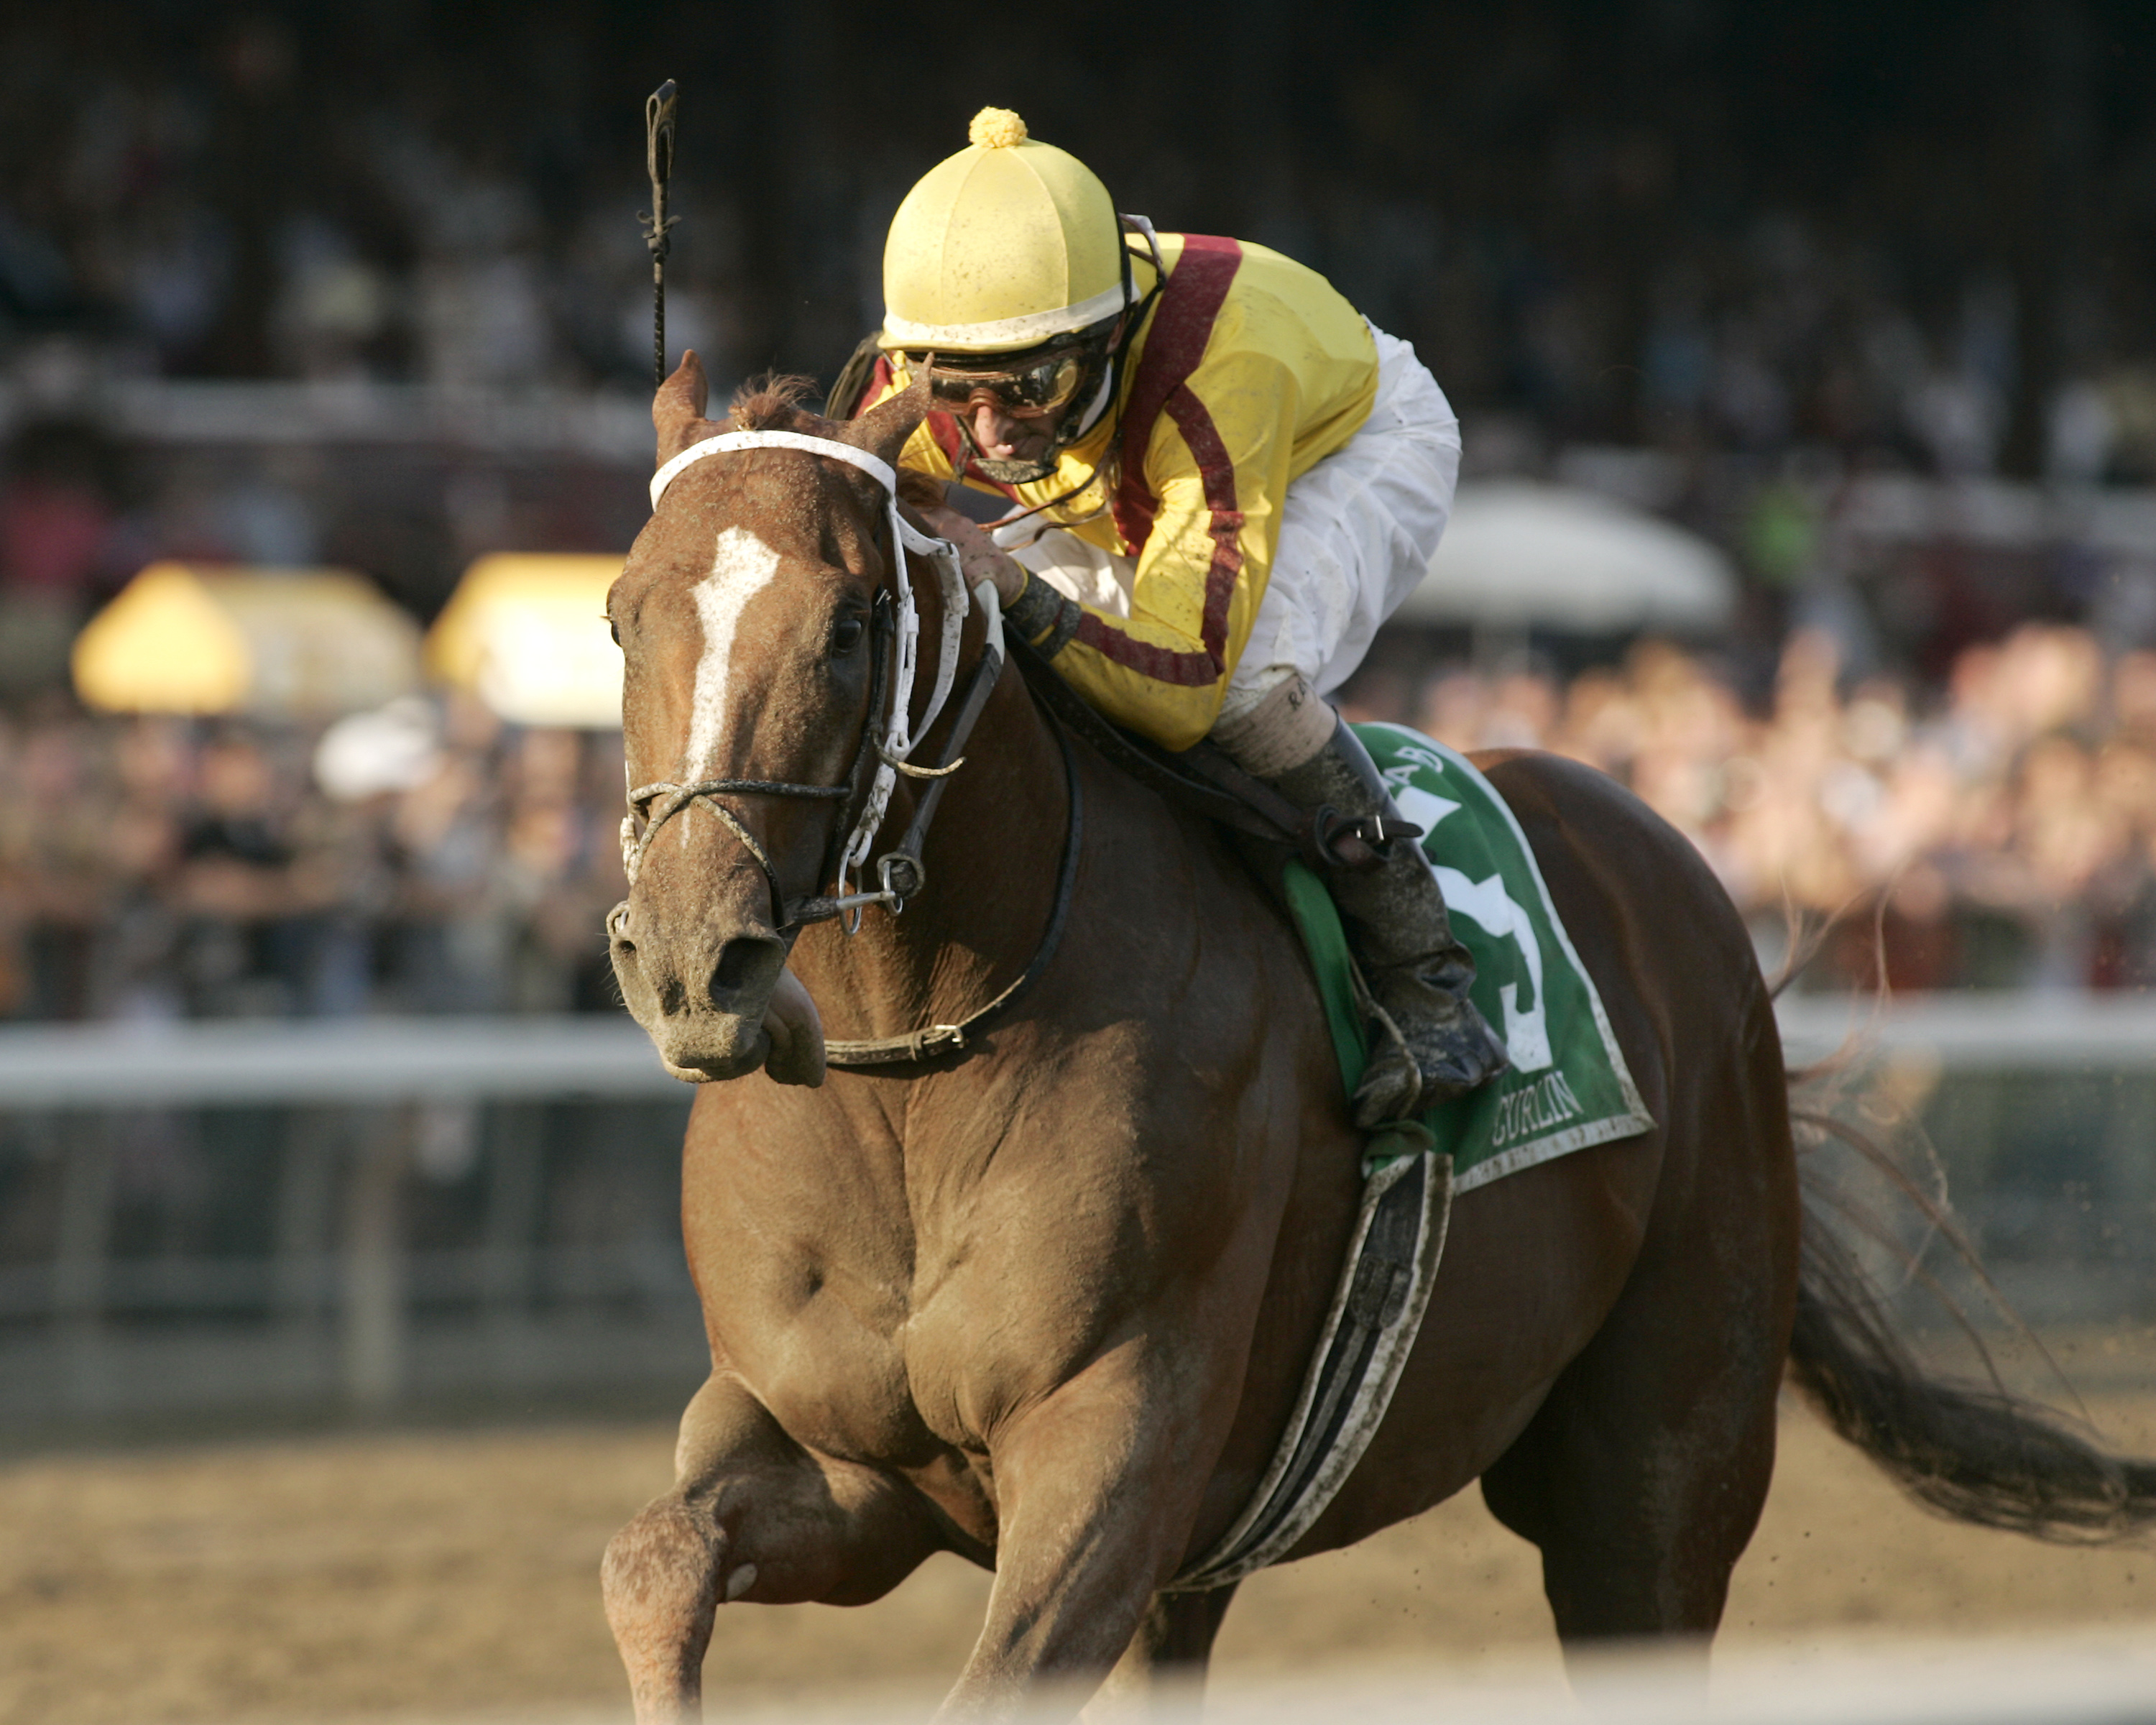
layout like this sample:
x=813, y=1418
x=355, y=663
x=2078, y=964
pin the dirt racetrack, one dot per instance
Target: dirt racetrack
x=439, y=1575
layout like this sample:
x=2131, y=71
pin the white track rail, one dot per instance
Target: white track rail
x=355, y=1061
x=375, y=1060
x=2024, y=1032
x=362, y=1094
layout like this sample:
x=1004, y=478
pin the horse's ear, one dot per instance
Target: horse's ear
x=677, y=410
x=884, y=429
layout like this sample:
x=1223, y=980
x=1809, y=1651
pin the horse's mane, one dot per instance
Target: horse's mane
x=771, y=403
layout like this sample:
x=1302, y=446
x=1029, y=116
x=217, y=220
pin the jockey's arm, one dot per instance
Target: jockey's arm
x=1218, y=469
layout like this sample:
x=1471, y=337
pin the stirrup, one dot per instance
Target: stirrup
x=1391, y=1087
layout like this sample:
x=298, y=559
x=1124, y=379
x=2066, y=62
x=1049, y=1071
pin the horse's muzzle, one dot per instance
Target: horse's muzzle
x=723, y=1011
x=705, y=1048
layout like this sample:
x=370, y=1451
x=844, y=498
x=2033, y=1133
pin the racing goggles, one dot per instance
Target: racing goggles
x=1040, y=385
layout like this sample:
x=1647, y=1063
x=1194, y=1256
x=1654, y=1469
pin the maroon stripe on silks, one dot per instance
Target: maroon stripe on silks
x=879, y=379
x=1186, y=671
x=1182, y=325
x=1217, y=473
x=944, y=430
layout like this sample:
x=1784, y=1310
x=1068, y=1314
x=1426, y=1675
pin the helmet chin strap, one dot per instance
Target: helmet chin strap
x=1004, y=473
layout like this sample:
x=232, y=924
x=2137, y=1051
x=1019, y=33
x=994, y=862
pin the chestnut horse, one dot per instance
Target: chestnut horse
x=1045, y=1300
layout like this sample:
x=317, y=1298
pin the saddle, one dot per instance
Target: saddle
x=1205, y=780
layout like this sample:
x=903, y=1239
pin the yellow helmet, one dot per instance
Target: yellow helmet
x=1003, y=246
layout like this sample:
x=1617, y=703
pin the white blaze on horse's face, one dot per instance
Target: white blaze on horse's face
x=742, y=567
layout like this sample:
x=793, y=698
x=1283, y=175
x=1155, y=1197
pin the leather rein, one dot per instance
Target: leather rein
x=900, y=873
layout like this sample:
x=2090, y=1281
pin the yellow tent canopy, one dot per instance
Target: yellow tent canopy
x=183, y=637
x=528, y=633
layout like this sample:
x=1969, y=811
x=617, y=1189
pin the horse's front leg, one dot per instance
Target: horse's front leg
x=1097, y=1486
x=752, y=1515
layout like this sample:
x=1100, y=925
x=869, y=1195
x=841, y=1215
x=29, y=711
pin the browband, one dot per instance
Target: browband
x=728, y=441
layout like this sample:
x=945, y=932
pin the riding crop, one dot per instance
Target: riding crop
x=658, y=157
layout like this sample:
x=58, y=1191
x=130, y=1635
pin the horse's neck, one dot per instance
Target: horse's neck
x=991, y=860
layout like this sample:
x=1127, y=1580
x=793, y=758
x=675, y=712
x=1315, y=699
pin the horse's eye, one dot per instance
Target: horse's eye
x=846, y=635
x=613, y=628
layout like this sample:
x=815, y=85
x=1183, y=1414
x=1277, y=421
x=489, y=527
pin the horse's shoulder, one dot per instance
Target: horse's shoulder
x=1171, y=860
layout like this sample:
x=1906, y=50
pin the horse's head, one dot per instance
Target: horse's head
x=745, y=615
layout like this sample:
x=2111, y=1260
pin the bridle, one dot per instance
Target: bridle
x=897, y=630
x=900, y=871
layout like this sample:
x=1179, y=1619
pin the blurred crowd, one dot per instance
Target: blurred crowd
x=1780, y=250
x=1999, y=832
x=1600, y=220
x=154, y=868
x=287, y=192
x=1773, y=254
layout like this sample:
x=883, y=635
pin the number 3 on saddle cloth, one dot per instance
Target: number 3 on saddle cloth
x=1567, y=1087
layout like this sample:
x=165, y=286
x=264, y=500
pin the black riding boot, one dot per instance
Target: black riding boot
x=1417, y=972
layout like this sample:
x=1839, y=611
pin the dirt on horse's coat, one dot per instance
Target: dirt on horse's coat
x=1047, y=1303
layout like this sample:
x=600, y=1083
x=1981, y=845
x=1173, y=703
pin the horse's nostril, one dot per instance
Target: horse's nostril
x=736, y=965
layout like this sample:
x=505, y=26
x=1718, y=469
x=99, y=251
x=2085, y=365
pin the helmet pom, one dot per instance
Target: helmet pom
x=996, y=129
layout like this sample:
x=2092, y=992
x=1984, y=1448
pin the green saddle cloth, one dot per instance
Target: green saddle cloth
x=1568, y=1086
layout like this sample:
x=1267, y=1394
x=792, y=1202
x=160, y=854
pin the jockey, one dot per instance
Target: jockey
x=1212, y=480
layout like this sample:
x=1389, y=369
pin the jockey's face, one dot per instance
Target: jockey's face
x=1002, y=437
x=1014, y=404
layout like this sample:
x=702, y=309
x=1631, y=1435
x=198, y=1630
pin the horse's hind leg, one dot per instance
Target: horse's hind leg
x=1642, y=1476
x=752, y=1515
x=1162, y=1670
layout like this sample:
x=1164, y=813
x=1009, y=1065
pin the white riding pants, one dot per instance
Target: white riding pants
x=1357, y=534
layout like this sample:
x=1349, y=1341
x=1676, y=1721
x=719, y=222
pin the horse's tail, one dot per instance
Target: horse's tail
x=1976, y=1452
